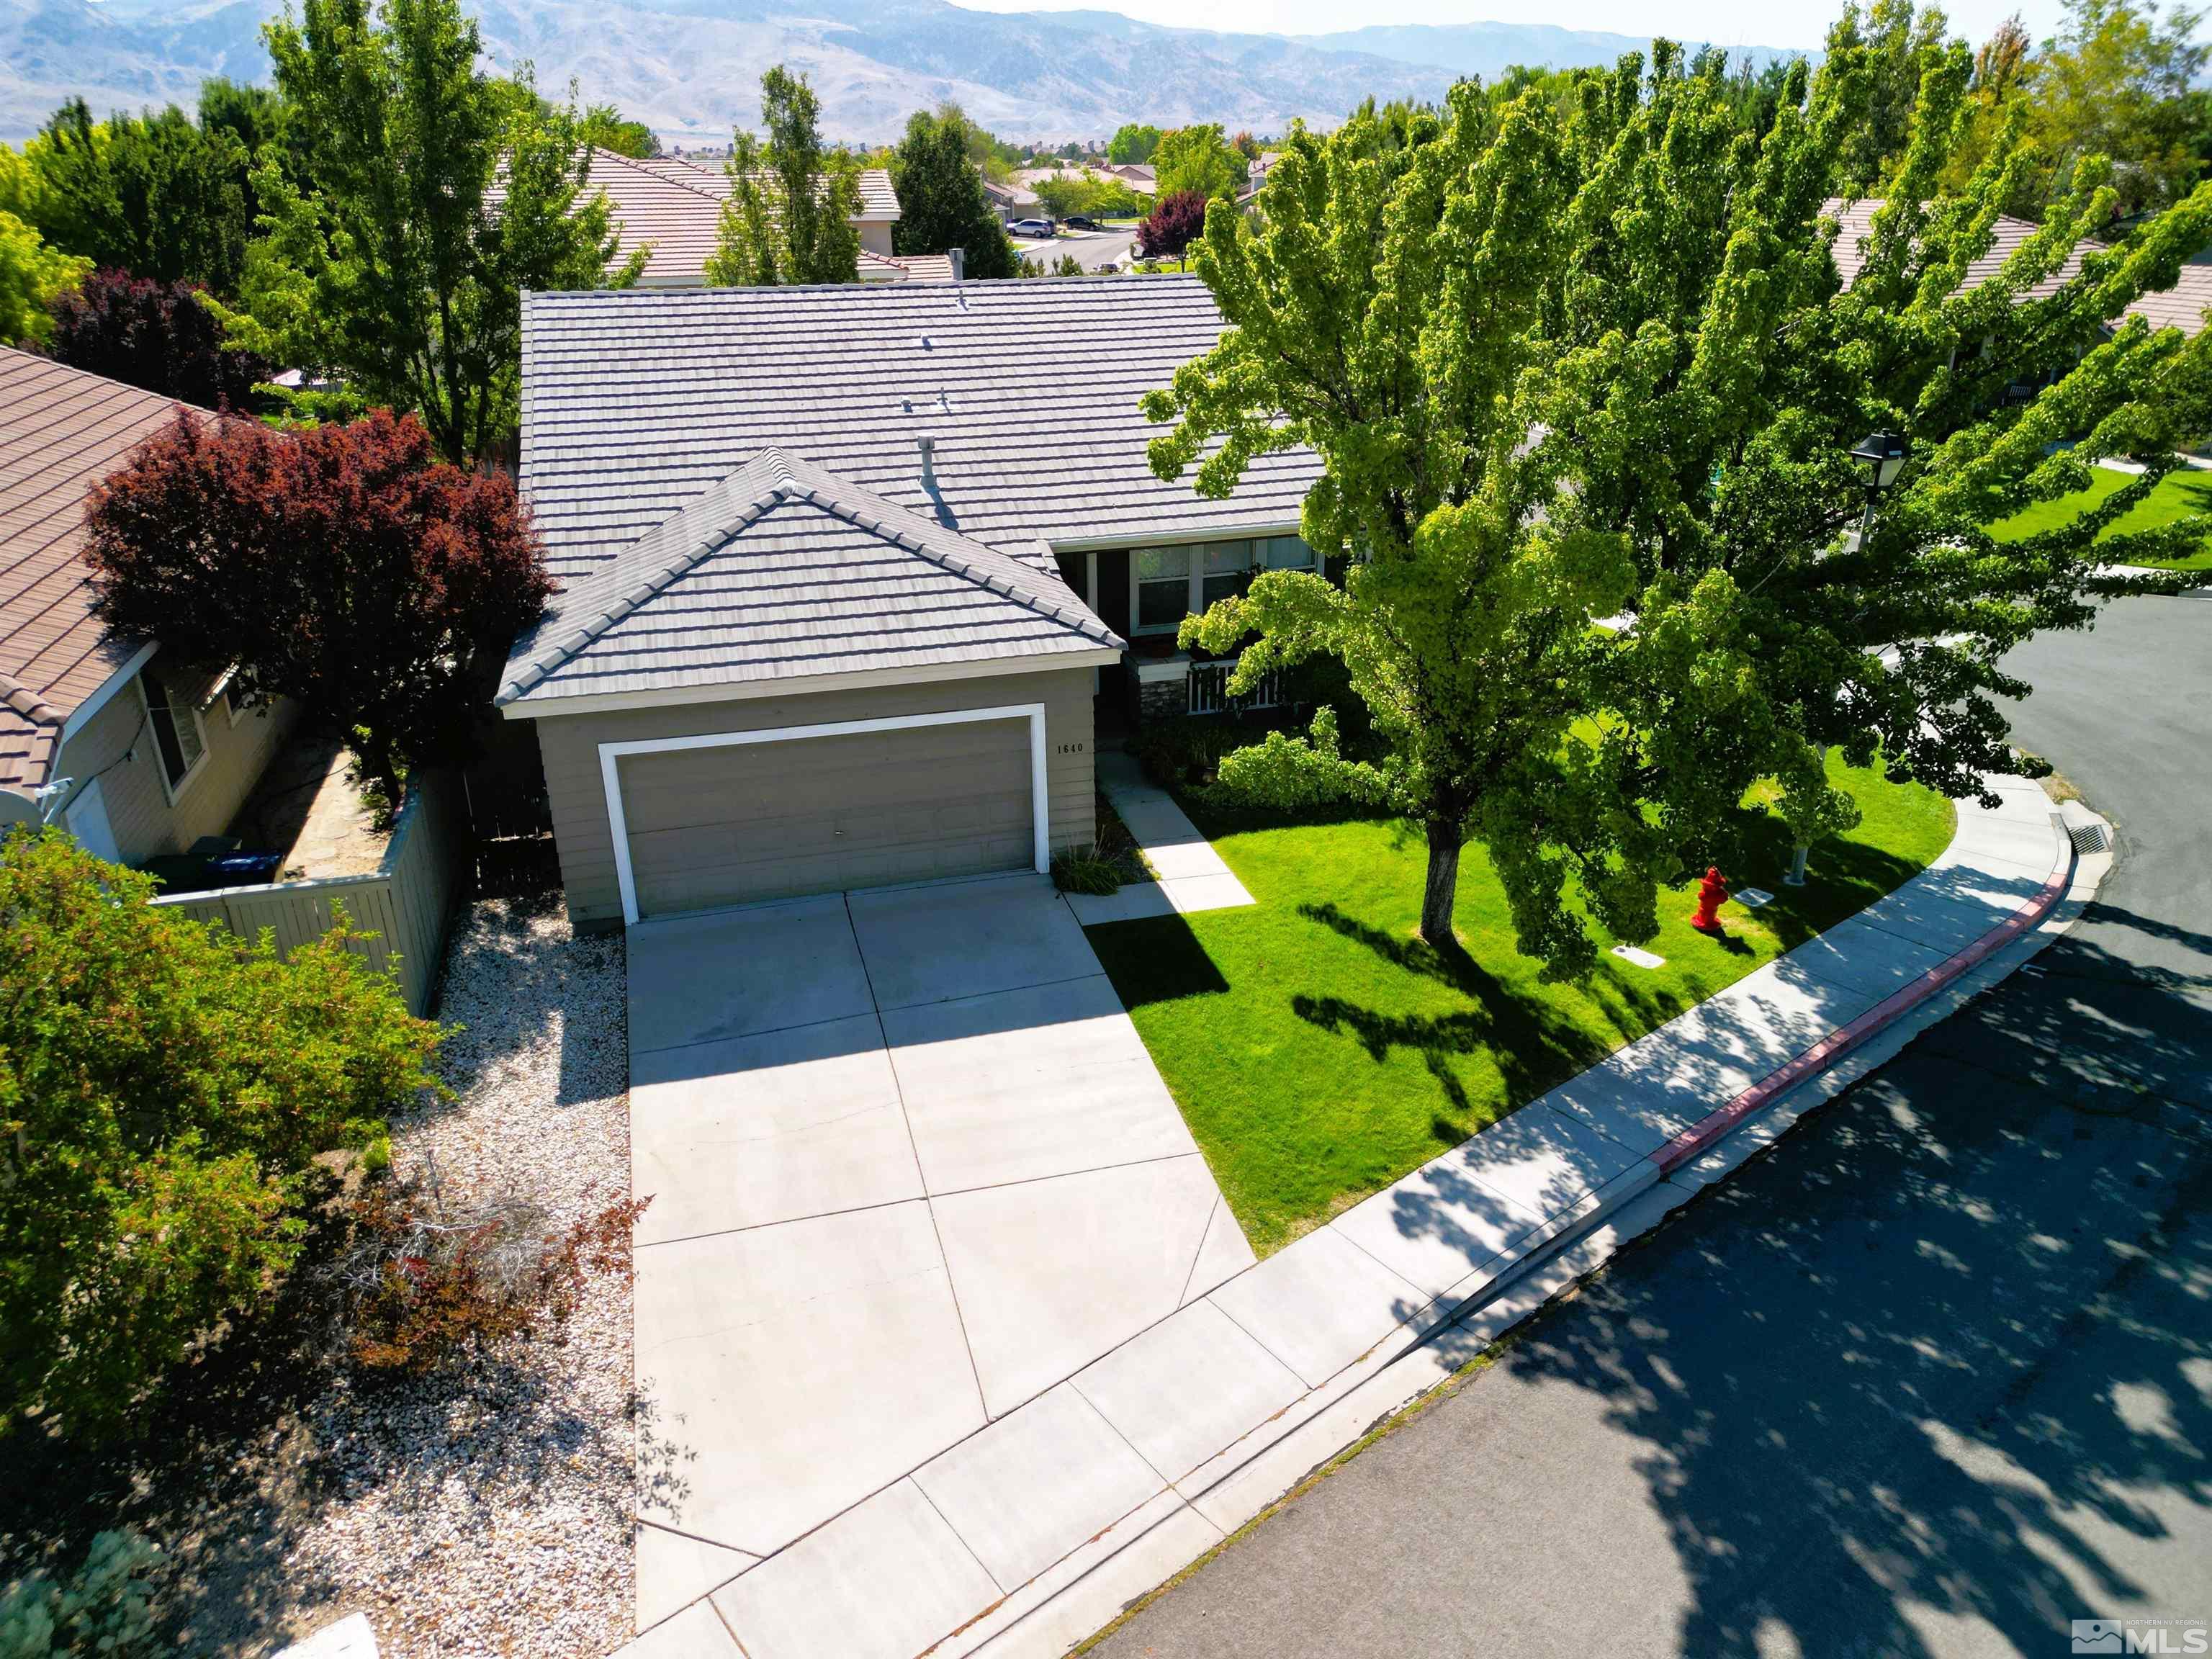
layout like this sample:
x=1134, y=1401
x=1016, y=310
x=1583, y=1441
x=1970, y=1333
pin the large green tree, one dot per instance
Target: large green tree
x=431, y=196
x=1200, y=158
x=1133, y=141
x=788, y=218
x=941, y=200
x=1551, y=363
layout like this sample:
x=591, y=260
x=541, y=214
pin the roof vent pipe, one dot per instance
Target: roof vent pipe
x=928, y=460
x=959, y=258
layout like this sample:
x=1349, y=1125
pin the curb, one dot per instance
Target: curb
x=1699, y=1139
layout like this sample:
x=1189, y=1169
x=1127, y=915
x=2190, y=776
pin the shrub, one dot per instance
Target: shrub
x=425, y=1277
x=1087, y=869
x=160, y=335
x=164, y=1089
x=102, y=1610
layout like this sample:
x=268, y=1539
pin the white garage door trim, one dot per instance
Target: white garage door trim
x=610, y=753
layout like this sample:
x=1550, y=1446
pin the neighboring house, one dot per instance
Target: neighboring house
x=675, y=207
x=1011, y=201
x=1262, y=165
x=1140, y=176
x=2182, y=306
x=842, y=574
x=135, y=756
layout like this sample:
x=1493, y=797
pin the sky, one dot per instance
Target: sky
x=1726, y=23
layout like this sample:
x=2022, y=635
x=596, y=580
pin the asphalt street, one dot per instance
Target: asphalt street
x=1092, y=248
x=1933, y=1377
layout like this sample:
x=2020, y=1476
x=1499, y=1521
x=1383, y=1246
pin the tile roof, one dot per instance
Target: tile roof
x=675, y=205
x=634, y=405
x=781, y=570
x=61, y=431
x=2179, y=306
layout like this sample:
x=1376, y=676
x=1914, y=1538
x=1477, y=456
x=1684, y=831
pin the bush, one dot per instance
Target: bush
x=103, y=1610
x=1087, y=869
x=164, y=1089
x=160, y=335
x=425, y=1277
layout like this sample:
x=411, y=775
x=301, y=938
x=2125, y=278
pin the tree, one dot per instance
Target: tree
x=156, y=334
x=164, y=1089
x=397, y=265
x=2121, y=82
x=1133, y=143
x=604, y=126
x=788, y=218
x=153, y=194
x=417, y=568
x=1551, y=363
x=941, y=200
x=1876, y=61
x=1199, y=158
x=1173, y=222
x=32, y=276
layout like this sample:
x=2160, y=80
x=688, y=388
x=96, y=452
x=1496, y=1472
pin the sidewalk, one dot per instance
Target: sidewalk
x=1027, y=1536
x=1189, y=875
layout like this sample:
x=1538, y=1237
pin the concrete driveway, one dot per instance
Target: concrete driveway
x=910, y=1166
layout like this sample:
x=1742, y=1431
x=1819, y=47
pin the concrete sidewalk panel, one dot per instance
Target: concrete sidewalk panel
x=768, y=1358
x=1438, y=1226
x=1224, y=1254
x=1219, y=890
x=697, y=1632
x=1860, y=957
x=1188, y=1387
x=1052, y=1273
x=1048, y=1080
x=883, y=1581
x=731, y=972
x=767, y=1128
x=1318, y=1304
x=1033, y=1485
x=674, y=1570
x=937, y=944
x=1137, y=901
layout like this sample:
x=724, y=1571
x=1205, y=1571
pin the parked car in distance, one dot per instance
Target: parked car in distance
x=1080, y=221
x=1031, y=228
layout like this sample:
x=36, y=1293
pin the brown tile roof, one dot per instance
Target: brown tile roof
x=2179, y=306
x=61, y=431
x=675, y=205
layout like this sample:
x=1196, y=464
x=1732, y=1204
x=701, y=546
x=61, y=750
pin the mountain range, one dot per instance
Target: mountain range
x=690, y=69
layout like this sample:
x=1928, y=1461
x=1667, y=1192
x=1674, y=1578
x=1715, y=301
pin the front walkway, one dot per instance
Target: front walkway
x=910, y=1166
x=1189, y=875
x=1032, y=1532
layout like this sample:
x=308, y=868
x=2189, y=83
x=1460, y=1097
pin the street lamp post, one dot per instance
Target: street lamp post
x=1881, y=454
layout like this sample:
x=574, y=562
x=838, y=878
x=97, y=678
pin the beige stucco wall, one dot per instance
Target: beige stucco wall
x=877, y=239
x=145, y=823
x=569, y=744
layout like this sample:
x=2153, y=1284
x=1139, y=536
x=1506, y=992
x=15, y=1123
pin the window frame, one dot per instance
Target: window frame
x=173, y=793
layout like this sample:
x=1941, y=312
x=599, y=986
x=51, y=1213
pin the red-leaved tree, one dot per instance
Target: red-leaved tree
x=155, y=334
x=343, y=566
x=1173, y=225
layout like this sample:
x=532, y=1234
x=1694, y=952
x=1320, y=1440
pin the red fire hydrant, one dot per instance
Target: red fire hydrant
x=1713, y=893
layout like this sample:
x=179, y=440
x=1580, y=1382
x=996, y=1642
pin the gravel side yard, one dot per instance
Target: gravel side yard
x=483, y=1510
x=487, y=1510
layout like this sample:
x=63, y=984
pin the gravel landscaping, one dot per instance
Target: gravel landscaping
x=483, y=1510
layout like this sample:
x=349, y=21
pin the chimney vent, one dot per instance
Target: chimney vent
x=928, y=460
x=958, y=256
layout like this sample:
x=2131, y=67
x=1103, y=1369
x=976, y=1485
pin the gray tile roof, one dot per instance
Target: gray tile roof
x=780, y=571
x=634, y=405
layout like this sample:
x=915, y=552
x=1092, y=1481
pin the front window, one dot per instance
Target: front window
x=1175, y=582
x=176, y=726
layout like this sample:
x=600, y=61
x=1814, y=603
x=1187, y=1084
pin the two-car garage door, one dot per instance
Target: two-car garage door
x=732, y=821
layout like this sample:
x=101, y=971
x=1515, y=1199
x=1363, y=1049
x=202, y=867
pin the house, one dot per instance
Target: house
x=845, y=579
x=674, y=207
x=1011, y=201
x=1140, y=176
x=2182, y=306
x=136, y=756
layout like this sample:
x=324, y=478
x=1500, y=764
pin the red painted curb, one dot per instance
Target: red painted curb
x=1699, y=1137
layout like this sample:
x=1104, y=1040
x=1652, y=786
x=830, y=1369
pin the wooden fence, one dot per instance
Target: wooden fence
x=405, y=903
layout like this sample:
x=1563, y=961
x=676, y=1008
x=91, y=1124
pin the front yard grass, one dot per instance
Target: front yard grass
x=2176, y=496
x=1318, y=1049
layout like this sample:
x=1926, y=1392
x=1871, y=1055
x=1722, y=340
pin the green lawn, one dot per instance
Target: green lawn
x=1319, y=1050
x=2176, y=496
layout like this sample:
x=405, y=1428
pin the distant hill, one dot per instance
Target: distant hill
x=1489, y=49
x=691, y=68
